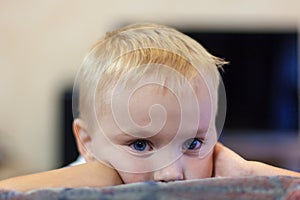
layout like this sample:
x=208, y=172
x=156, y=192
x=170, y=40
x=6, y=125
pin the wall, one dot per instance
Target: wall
x=42, y=44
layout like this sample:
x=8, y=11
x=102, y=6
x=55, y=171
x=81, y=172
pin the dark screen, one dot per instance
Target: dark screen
x=261, y=79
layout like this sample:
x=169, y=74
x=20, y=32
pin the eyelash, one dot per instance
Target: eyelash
x=134, y=146
x=137, y=145
x=188, y=145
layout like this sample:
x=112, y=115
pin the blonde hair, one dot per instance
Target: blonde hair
x=133, y=49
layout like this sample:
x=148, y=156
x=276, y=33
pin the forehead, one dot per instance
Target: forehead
x=153, y=109
x=158, y=103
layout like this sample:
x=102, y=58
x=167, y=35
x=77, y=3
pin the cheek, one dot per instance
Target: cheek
x=198, y=168
x=134, y=177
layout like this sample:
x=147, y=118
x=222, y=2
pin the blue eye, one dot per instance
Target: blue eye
x=192, y=144
x=140, y=145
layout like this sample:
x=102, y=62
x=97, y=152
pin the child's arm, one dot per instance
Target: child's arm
x=92, y=174
x=229, y=164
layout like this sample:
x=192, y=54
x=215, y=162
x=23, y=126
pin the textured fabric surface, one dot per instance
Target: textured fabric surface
x=277, y=187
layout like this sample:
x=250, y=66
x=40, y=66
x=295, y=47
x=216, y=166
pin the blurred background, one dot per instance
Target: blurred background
x=42, y=45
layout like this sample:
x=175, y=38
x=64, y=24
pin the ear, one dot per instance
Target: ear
x=83, y=139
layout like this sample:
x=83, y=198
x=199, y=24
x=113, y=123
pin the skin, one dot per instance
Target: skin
x=229, y=164
x=164, y=148
x=219, y=162
x=78, y=176
x=95, y=174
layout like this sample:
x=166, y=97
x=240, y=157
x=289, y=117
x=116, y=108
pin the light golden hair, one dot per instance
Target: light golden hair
x=136, y=47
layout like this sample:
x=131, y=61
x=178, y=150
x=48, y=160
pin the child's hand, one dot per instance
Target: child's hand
x=92, y=174
x=229, y=164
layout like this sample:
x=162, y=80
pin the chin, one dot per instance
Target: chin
x=134, y=177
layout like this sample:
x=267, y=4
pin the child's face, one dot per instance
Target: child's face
x=159, y=144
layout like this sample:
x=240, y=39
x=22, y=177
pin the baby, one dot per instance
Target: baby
x=147, y=105
x=148, y=101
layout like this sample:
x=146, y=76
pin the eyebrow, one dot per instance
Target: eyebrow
x=120, y=136
x=125, y=136
x=202, y=130
x=200, y=133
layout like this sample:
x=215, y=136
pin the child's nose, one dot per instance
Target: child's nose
x=172, y=172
